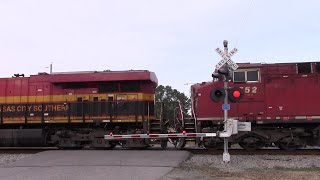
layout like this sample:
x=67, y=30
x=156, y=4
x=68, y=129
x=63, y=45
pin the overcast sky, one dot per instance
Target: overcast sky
x=175, y=39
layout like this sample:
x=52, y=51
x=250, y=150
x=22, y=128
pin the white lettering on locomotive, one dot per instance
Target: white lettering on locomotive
x=249, y=89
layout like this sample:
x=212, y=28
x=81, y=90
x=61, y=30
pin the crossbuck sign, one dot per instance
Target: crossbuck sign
x=226, y=58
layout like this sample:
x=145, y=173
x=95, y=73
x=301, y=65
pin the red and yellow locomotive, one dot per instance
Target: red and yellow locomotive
x=75, y=109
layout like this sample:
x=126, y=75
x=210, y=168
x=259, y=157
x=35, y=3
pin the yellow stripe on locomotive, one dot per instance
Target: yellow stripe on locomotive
x=124, y=107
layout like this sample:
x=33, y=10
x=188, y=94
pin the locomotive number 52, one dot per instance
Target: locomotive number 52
x=250, y=89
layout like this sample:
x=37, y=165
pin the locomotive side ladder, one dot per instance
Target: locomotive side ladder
x=190, y=127
x=156, y=126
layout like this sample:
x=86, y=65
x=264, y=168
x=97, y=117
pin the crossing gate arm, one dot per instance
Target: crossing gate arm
x=158, y=136
x=232, y=128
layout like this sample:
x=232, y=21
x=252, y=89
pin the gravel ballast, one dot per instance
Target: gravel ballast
x=8, y=158
x=248, y=167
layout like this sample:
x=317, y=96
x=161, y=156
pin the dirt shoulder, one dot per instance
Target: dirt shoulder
x=247, y=167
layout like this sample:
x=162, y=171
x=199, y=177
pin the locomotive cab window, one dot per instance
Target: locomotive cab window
x=252, y=76
x=246, y=76
x=239, y=76
x=304, y=68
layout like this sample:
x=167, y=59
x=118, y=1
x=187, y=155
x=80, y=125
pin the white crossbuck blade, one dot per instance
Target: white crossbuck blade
x=226, y=59
x=233, y=65
x=227, y=56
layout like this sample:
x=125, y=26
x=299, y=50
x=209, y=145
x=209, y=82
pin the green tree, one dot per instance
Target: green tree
x=170, y=97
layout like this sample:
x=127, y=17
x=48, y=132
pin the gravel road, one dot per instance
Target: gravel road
x=248, y=167
x=7, y=158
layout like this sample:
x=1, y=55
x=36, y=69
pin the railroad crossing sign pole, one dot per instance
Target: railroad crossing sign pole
x=226, y=60
x=226, y=155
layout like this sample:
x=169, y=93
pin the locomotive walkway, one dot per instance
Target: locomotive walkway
x=94, y=164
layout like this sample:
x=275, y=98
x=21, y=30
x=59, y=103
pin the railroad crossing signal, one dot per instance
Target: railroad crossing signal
x=218, y=94
x=234, y=94
x=226, y=58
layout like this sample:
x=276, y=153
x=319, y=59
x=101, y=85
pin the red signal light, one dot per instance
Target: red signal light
x=184, y=131
x=236, y=94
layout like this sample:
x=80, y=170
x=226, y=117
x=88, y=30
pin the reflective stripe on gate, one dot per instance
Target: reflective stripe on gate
x=157, y=136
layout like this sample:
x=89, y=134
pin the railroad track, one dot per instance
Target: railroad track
x=191, y=150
